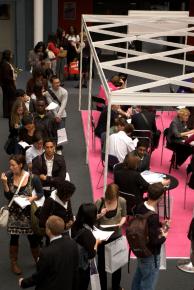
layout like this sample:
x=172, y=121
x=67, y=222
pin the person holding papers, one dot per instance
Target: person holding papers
x=81, y=232
x=35, y=150
x=58, y=95
x=18, y=182
x=111, y=211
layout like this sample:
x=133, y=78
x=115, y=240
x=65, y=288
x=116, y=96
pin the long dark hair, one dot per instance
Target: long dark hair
x=6, y=55
x=87, y=213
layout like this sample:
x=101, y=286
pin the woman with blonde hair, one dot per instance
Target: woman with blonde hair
x=15, y=122
x=178, y=132
x=111, y=211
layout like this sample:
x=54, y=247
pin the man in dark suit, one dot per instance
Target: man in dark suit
x=57, y=267
x=50, y=167
x=146, y=120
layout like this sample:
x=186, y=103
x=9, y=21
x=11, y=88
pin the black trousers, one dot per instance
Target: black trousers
x=84, y=279
x=116, y=276
x=33, y=241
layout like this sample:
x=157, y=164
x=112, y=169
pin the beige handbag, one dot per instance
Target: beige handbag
x=4, y=211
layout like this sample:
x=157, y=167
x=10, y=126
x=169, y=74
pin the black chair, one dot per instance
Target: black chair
x=130, y=200
x=112, y=161
x=166, y=145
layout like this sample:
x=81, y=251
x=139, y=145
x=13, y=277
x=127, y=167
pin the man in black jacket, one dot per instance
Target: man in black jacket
x=50, y=167
x=57, y=267
x=44, y=121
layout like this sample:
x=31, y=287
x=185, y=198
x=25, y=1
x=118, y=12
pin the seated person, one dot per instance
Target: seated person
x=116, y=112
x=116, y=83
x=120, y=143
x=146, y=120
x=130, y=180
x=50, y=167
x=177, y=133
x=44, y=121
x=35, y=150
x=141, y=152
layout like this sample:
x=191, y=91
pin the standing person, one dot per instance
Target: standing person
x=73, y=38
x=7, y=82
x=44, y=121
x=57, y=267
x=50, y=167
x=81, y=231
x=63, y=43
x=59, y=204
x=19, y=222
x=37, y=55
x=58, y=95
x=111, y=210
x=147, y=270
x=35, y=150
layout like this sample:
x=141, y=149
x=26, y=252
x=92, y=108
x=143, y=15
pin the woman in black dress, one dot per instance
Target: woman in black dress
x=81, y=231
x=19, y=222
x=7, y=82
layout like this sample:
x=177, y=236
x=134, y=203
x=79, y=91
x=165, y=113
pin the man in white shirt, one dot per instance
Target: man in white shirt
x=58, y=95
x=121, y=143
x=35, y=150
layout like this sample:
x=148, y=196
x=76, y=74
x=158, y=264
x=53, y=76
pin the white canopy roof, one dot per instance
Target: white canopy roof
x=117, y=32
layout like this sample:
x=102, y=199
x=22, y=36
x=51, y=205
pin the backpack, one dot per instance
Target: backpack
x=83, y=254
x=137, y=235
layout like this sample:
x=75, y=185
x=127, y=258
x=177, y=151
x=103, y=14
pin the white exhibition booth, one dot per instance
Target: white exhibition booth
x=151, y=27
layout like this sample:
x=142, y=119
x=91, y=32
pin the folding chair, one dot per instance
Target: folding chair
x=164, y=144
x=112, y=160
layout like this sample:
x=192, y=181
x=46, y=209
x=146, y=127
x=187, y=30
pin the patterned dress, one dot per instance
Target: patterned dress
x=19, y=219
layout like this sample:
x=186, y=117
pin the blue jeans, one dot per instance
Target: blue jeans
x=146, y=274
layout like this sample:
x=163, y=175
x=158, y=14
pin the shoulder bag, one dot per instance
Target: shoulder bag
x=4, y=211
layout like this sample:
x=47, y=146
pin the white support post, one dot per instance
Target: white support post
x=107, y=142
x=80, y=78
x=89, y=107
x=38, y=21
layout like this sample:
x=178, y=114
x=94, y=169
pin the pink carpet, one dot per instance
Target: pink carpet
x=177, y=244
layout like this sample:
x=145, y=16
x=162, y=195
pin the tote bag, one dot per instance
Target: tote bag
x=116, y=254
x=94, y=276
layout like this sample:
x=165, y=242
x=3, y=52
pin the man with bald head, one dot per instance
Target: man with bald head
x=57, y=266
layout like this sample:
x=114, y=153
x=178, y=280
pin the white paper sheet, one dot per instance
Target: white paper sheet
x=61, y=136
x=51, y=106
x=152, y=177
x=24, y=144
x=108, y=226
x=22, y=201
x=102, y=235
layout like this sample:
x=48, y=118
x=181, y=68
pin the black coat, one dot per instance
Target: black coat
x=130, y=181
x=58, y=172
x=57, y=267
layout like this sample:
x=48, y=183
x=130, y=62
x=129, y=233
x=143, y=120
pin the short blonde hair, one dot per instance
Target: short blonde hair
x=183, y=112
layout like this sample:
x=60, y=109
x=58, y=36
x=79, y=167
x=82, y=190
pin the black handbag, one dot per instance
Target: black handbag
x=10, y=145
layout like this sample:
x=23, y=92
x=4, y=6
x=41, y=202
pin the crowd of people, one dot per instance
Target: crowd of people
x=38, y=175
